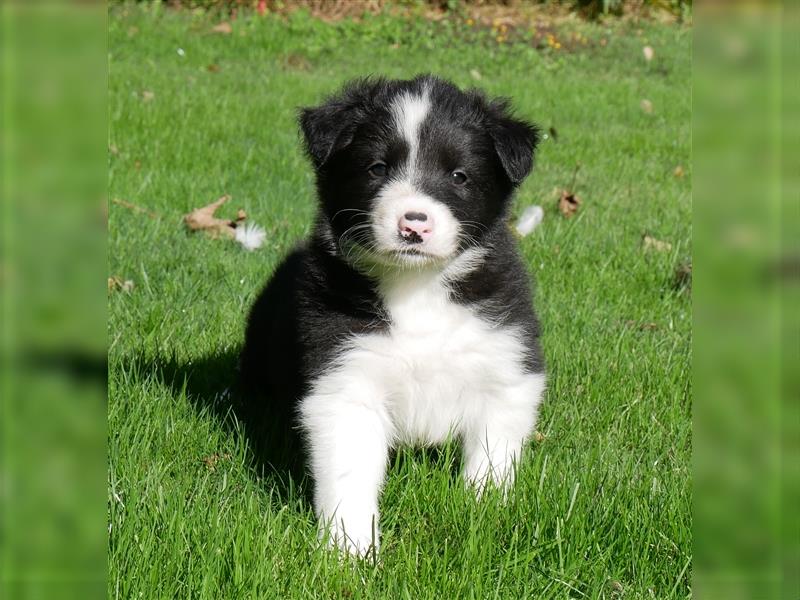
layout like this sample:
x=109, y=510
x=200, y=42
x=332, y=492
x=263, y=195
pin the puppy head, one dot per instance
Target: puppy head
x=414, y=172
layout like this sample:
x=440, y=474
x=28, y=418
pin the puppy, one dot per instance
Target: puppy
x=407, y=316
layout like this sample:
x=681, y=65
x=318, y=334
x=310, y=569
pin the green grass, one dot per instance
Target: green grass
x=602, y=503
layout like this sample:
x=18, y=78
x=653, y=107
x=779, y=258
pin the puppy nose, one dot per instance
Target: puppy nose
x=415, y=227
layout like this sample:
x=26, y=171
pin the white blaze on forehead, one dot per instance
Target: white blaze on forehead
x=409, y=112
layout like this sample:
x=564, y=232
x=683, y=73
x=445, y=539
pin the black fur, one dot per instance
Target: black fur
x=316, y=299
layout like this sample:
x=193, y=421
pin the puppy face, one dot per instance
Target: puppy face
x=414, y=172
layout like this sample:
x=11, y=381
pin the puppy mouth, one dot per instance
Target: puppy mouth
x=409, y=252
x=410, y=256
x=393, y=256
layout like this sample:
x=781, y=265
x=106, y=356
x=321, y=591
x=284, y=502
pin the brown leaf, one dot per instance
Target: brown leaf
x=678, y=172
x=224, y=28
x=213, y=68
x=297, y=61
x=204, y=219
x=568, y=203
x=539, y=437
x=647, y=106
x=116, y=284
x=147, y=95
x=683, y=277
x=651, y=243
x=212, y=460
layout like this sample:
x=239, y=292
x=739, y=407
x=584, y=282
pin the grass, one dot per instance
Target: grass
x=602, y=503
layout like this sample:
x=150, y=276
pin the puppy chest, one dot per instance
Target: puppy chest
x=440, y=364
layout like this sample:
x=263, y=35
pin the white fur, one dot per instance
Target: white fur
x=439, y=370
x=409, y=112
x=399, y=197
x=250, y=236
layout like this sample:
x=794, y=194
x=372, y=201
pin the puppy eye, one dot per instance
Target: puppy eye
x=379, y=169
x=458, y=177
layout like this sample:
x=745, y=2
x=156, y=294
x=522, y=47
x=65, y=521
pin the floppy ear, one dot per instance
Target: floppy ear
x=327, y=128
x=514, y=141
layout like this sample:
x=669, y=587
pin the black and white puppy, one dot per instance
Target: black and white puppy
x=407, y=316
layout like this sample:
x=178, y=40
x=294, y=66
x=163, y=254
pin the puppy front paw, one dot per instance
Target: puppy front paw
x=359, y=538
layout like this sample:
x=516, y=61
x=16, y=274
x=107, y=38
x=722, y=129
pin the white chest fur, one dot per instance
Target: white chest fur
x=440, y=363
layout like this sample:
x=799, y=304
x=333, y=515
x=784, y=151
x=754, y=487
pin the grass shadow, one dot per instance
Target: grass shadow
x=212, y=387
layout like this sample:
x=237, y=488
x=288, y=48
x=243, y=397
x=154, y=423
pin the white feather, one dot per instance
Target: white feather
x=530, y=219
x=251, y=236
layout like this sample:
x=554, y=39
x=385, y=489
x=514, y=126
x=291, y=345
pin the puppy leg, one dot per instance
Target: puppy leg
x=493, y=441
x=348, y=440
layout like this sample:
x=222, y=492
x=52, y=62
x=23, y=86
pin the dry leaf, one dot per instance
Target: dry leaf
x=213, y=68
x=147, y=95
x=116, y=283
x=568, y=203
x=647, y=106
x=223, y=27
x=476, y=75
x=651, y=243
x=648, y=53
x=204, y=219
x=297, y=61
x=683, y=277
x=539, y=437
x=678, y=172
x=212, y=460
x=112, y=148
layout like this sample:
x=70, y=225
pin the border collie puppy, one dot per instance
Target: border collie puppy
x=407, y=315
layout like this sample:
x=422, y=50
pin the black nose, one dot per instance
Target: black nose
x=416, y=216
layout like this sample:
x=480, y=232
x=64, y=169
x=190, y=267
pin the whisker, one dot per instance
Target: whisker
x=355, y=210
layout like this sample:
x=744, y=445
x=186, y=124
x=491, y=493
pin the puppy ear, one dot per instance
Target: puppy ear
x=514, y=141
x=326, y=128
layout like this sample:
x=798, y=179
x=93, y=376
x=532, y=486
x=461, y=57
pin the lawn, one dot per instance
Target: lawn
x=602, y=506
